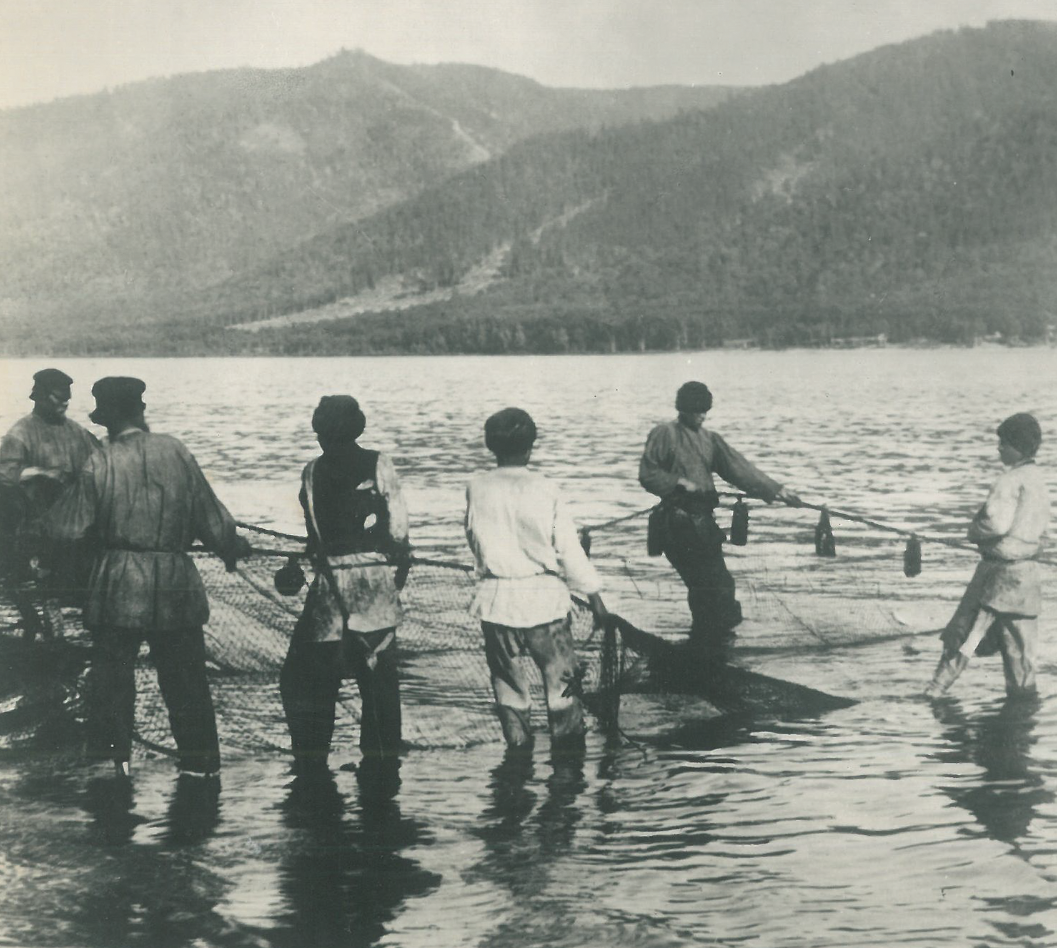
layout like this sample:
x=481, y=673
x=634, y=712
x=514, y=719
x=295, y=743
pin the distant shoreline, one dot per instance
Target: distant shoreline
x=897, y=346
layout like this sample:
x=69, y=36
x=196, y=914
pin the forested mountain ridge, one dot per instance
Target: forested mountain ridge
x=169, y=185
x=910, y=191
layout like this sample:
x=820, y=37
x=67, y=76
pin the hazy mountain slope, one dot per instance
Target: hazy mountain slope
x=174, y=184
x=912, y=189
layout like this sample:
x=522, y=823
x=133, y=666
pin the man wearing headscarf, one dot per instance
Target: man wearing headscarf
x=1000, y=607
x=41, y=454
x=357, y=524
x=527, y=556
x=147, y=501
x=677, y=465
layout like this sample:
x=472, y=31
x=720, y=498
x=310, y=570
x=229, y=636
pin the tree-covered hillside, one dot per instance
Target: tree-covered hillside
x=164, y=187
x=911, y=191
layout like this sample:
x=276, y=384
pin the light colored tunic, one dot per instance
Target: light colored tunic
x=674, y=450
x=1009, y=529
x=148, y=501
x=56, y=449
x=364, y=581
x=525, y=548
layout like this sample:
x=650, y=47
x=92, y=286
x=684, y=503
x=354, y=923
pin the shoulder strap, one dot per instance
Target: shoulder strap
x=308, y=482
x=322, y=561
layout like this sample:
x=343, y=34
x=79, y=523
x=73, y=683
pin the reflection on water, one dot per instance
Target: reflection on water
x=527, y=835
x=886, y=823
x=127, y=900
x=194, y=811
x=343, y=874
x=1006, y=797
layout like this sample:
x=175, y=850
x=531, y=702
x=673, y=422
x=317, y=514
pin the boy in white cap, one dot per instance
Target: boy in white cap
x=999, y=610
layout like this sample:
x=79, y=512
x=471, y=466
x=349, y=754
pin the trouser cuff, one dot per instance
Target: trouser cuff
x=947, y=672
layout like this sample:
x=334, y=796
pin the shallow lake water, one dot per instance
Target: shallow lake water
x=894, y=822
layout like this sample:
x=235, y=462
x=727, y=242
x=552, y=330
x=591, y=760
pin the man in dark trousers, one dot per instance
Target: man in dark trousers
x=677, y=465
x=147, y=500
x=357, y=533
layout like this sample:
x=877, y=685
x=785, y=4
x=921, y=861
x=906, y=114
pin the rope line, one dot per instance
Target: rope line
x=271, y=533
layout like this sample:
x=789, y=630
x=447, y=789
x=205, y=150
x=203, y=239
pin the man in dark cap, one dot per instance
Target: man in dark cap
x=527, y=555
x=41, y=454
x=677, y=465
x=1000, y=607
x=147, y=501
x=358, y=539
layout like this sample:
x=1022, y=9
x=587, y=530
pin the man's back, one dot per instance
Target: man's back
x=676, y=451
x=146, y=500
x=152, y=495
x=510, y=521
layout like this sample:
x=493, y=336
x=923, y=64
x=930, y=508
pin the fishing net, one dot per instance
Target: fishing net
x=444, y=680
x=792, y=600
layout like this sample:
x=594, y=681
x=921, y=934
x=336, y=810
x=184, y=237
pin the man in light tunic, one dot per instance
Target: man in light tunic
x=677, y=465
x=1000, y=607
x=527, y=555
x=147, y=500
x=357, y=524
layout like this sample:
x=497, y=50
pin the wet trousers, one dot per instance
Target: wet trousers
x=309, y=684
x=179, y=659
x=693, y=544
x=550, y=646
x=985, y=633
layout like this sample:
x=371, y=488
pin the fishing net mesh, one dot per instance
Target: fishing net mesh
x=791, y=598
x=444, y=681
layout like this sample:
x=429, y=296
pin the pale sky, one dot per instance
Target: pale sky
x=55, y=48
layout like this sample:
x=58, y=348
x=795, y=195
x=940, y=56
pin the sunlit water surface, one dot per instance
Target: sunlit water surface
x=894, y=822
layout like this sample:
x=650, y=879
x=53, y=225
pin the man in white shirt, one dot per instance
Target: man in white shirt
x=527, y=556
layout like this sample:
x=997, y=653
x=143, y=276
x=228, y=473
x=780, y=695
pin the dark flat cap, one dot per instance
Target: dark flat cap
x=117, y=394
x=47, y=380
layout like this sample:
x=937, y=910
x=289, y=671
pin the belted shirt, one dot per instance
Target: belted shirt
x=525, y=548
x=145, y=499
